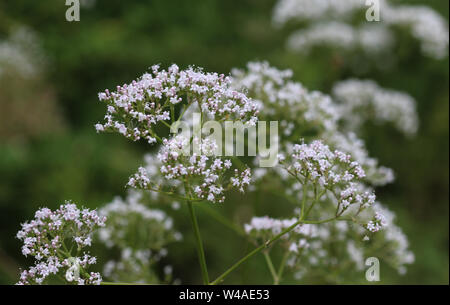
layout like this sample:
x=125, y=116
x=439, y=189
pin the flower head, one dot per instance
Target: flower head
x=204, y=175
x=134, y=109
x=49, y=236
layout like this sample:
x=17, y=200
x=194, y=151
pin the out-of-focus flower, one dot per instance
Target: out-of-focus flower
x=360, y=100
x=425, y=24
x=302, y=111
x=369, y=38
x=27, y=102
x=140, y=234
x=280, y=98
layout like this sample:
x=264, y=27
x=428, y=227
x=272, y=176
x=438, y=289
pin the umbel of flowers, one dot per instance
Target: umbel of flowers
x=204, y=174
x=325, y=177
x=162, y=96
x=334, y=120
x=332, y=176
x=134, y=109
x=56, y=240
x=136, y=258
x=328, y=176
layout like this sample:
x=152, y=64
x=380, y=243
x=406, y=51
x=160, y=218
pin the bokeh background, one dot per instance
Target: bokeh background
x=50, y=152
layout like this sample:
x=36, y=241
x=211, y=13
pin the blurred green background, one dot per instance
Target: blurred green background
x=49, y=151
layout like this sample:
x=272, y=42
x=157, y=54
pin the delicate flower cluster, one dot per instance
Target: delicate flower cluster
x=135, y=108
x=368, y=38
x=425, y=25
x=396, y=241
x=300, y=109
x=305, y=241
x=205, y=172
x=351, y=144
x=126, y=218
x=378, y=222
x=311, y=247
x=316, y=161
x=48, y=237
x=327, y=175
x=333, y=171
x=342, y=247
x=315, y=174
x=241, y=180
x=280, y=97
x=358, y=98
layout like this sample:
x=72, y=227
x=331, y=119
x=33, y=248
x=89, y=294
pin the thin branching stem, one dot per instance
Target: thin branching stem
x=252, y=253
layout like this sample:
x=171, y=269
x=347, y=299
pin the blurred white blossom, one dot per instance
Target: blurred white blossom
x=360, y=100
x=329, y=23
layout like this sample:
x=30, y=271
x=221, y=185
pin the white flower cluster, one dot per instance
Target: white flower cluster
x=311, y=246
x=126, y=218
x=349, y=143
x=359, y=98
x=268, y=226
x=377, y=223
x=368, y=38
x=280, y=97
x=205, y=172
x=301, y=10
x=316, y=164
x=316, y=161
x=425, y=24
x=135, y=108
x=332, y=173
x=123, y=214
x=396, y=240
x=136, y=266
x=305, y=242
x=21, y=52
x=45, y=239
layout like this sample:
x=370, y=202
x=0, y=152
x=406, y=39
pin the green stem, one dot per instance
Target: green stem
x=317, y=198
x=305, y=191
x=240, y=164
x=252, y=253
x=223, y=220
x=271, y=267
x=167, y=124
x=201, y=252
x=172, y=113
x=158, y=139
x=282, y=264
x=326, y=220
